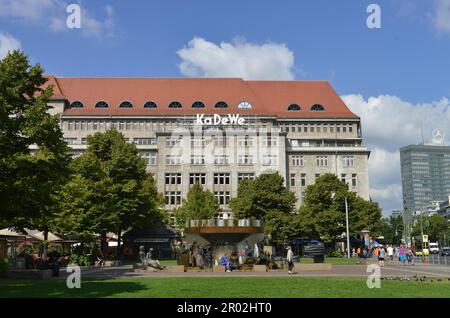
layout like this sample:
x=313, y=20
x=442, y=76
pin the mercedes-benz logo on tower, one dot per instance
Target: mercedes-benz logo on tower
x=438, y=136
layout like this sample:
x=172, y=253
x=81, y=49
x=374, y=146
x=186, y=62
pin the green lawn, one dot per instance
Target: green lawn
x=217, y=287
x=332, y=260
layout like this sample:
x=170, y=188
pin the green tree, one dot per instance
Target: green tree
x=200, y=204
x=322, y=215
x=435, y=226
x=28, y=182
x=266, y=198
x=116, y=191
x=255, y=198
x=391, y=229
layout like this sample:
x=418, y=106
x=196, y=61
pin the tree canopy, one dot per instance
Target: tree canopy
x=322, y=215
x=200, y=204
x=110, y=190
x=29, y=180
x=255, y=198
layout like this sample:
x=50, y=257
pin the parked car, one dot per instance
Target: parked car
x=434, y=248
x=445, y=251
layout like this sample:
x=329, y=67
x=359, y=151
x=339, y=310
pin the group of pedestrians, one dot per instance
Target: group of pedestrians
x=388, y=252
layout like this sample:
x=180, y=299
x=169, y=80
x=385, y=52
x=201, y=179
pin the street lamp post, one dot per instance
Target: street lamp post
x=346, y=224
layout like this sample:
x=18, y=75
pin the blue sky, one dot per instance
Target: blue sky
x=404, y=64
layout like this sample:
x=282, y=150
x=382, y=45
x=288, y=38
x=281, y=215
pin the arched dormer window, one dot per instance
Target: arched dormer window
x=126, y=104
x=294, y=108
x=101, y=104
x=77, y=104
x=198, y=104
x=317, y=108
x=175, y=104
x=221, y=104
x=245, y=105
x=150, y=104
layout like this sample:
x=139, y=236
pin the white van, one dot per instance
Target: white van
x=434, y=248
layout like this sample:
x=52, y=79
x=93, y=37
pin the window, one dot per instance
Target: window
x=173, y=178
x=173, y=160
x=322, y=161
x=303, y=180
x=223, y=197
x=245, y=175
x=70, y=140
x=198, y=104
x=350, y=128
x=197, y=159
x=175, y=104
x=221, y=159
x=101, y=104
x=292, y=180
x=317, y=108
x=268, y=160
x=317, y=176
x=84, y=141
x=76, y=104
x=173, y=197
x=294, y=108
x=354, y=180
x=245, y=105
x=144, y=141
x=150, y=104
x=297, y=160
x=150, y=158
x=305, y=128
x=269, y=141
x=348, y=161
x=343, y=178
x=245, y=141
x=245, y=159
x=221, y=178
x=199, y=178
x=126, y=104
x=221, y=104
x=172, y=141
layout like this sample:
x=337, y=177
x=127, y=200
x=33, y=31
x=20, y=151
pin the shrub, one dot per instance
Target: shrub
x=4, y=266
x=334, y=254
x=80, y=260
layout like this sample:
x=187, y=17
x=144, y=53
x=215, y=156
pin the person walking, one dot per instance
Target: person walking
x=289, y=258
x=381, y=255
x=402, y=254
x=390, y=252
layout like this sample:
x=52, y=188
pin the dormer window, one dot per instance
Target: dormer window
x=150, y=104
x=317, y=108
x=101, y=104
x=294, y=108
x=245, y=105
x=198, y=104
x=221, y=104
x=76, y=104
x=175, y=105
x=126, y=104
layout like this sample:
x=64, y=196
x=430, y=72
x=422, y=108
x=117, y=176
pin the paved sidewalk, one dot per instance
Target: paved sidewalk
x=390, y=270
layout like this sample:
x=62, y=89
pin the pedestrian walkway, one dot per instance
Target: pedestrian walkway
x=392, y=269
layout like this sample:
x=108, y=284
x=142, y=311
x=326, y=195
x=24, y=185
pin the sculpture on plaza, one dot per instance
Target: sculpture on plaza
x=146, y=259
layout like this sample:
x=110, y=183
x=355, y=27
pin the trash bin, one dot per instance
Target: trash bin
x=319, y=258
x=55, y=270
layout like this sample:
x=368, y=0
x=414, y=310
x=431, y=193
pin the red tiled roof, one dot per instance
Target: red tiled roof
x=266, y=97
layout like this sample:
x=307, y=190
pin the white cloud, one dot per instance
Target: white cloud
x=8, y=43
x=201, y=58
x=389, y=123
x=52, y=13
x=442, y=15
